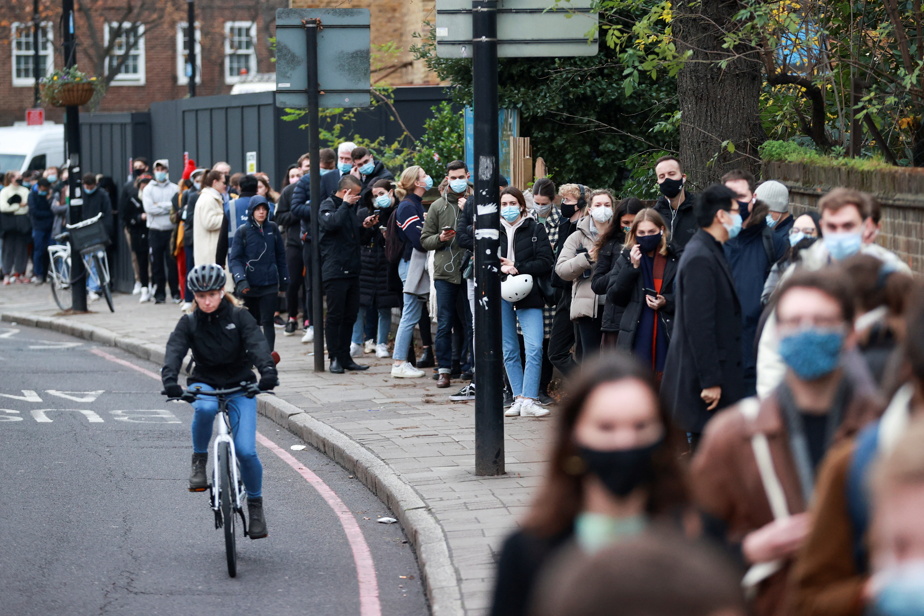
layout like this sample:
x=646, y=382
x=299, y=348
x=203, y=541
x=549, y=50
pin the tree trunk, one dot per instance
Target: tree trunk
x=717, y=104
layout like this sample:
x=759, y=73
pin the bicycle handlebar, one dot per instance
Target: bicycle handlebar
x=250, y=390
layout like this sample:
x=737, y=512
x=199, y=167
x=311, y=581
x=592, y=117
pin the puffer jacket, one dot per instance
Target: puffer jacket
x=574, y=265
x=532, y=255
x=226, y=345
x=157, y=199
x=607, y=258
x=342, y=234
x=258, y=254
x=379, y=283
x=626, y=291
x=207, y=223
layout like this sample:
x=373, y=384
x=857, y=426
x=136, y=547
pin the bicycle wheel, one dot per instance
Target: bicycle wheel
x=227, y=505
x=104, y=283
x=60, y=282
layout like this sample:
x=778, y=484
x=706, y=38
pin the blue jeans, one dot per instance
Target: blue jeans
x=410, y=315
x=451, y=300
x=40, y=242
x=523, y=382
x=243, y=414
x=384, y=326
x=93, y=283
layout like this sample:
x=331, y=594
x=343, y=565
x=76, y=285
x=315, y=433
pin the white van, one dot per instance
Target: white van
x=27, y=148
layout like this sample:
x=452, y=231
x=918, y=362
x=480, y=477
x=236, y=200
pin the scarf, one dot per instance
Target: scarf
x=650, y=343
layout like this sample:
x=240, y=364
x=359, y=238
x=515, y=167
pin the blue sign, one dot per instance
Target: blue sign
x=508, y=125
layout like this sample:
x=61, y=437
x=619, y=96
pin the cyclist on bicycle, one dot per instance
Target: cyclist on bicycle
x=226, y=344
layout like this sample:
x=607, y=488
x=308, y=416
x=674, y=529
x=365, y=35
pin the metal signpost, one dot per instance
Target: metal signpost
x=485, y=30
x=72, y=140
x=322, y=60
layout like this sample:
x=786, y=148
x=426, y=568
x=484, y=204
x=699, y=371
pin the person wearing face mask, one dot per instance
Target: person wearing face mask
x=770, y=450
x=549, y=216
x=643, y=287
x=42, y=219
x=751, y=253
x=675, y=205
x=609, y=247
x=15, y=228
x=776, y=196
x=703, y=371
x=157, y=200
x=135, y=220
x=575, y=264
x=345, y=158
x=612, y=476
x=368, y=170
x=130, y=191
x=832, y=570
x=803, y=233
x=186, y=218
x=290, y=227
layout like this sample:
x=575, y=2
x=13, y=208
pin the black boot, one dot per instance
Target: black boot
x=335, y=366
x=426, y=358
x=198, y=480
x=257, y=524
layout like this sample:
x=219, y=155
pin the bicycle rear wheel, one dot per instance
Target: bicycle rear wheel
x=104, y=282
x=227, y=505
x=60, y=282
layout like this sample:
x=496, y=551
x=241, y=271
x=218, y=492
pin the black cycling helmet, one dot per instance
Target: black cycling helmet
x=208, y=277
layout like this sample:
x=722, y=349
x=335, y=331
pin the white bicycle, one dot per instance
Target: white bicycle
x=89, y=236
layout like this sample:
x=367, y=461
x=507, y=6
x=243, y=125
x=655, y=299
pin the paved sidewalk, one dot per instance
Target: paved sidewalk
x=404, y=439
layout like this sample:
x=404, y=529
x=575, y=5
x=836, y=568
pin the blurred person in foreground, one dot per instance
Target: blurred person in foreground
x=612, y=474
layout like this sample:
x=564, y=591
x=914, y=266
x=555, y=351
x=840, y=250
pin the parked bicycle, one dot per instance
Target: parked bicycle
x=90, y=238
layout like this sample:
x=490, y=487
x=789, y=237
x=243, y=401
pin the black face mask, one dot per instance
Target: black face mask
x=744, y=209
x=621, y=470
x=568, y=209
x=648, y=243
x=137, y=172
x=670, y=188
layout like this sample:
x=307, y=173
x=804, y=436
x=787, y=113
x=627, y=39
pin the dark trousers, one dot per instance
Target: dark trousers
x=450, y=300
x=588, y=333
x=262, y=308
x=342, y=295
x=295, y=262
x=307, y=261
x=163, y=265
x=40, y=242
x=561, y=338
x=138, y=239
x=188, y=295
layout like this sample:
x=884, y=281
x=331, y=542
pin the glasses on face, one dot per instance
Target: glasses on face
x=804, y=230
x=810, y=322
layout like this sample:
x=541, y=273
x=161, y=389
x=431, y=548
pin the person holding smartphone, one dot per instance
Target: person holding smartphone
x=643, y=284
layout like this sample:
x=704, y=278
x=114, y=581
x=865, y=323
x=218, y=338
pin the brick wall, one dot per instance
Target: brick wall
x=900, y=193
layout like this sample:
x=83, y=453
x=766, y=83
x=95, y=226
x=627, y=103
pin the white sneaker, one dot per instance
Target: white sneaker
x=406, y=371
x=186, y=306
x=137, y=289
x=92, y=296
x=309, y=335
x=529, y=408
x=356, y=350
x=369, y=346
x=514, y=410
x=145, y=295
x=381, y=351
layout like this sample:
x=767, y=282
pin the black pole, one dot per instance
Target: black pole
x=489, y=417
x=36, y=56
x=191, y=46
x=314, y=151
x=72, y=140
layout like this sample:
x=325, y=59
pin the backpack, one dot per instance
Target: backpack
x=394, y=245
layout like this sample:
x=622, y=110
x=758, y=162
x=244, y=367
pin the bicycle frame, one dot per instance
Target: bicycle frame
x=224, y=436
x=64, y=251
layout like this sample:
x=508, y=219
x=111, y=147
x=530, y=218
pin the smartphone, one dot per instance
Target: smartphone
x=648, y=291
x=448, y=228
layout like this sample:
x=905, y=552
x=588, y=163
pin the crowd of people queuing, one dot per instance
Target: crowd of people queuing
x=740, y=372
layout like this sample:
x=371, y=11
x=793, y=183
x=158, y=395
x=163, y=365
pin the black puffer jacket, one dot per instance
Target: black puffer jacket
x=532, y=255
x=626, y=290
x=258, y=254
x=341, y=236
x=379, y=283
x=226, y=345
x=288, y=222
x=607, y=258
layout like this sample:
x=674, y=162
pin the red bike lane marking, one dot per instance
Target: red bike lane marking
x=365, y=567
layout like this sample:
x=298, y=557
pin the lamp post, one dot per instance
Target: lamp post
x=36, y=55
x=191, y=47
x=72, y=141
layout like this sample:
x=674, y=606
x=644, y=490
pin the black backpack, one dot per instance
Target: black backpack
x=394, y=245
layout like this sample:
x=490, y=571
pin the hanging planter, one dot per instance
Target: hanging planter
x=69, y=87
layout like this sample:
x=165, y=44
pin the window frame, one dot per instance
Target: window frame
x=123, y=79
x=181, y=78
x=229, y=51
x=22, y=82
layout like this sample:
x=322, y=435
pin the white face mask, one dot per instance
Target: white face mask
x=602, y=214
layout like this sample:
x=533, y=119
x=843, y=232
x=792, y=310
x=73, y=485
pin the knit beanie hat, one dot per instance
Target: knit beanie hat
x=774, y=194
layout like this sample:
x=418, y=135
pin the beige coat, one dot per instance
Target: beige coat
x=207, y=225
x=571, y=266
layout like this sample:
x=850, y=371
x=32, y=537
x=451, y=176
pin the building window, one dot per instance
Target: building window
x=182, y=46
x=125, y=42
x=240, y=50
x=24, y=53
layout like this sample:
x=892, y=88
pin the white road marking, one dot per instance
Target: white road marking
x=152, y=416
x=40, y=415
x=54, y=346
x=8, y=332
x=27, y=396
x=8, y=418
x=77, y=396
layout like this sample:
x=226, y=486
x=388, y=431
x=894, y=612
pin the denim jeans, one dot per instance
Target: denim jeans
x=523, y=382
x=384, y=325
x=242, y=412
x=40, y=242
x=450, y=301
x=410, y=315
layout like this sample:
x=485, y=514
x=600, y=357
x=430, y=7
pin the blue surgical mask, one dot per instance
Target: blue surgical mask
x=428, y=182
x=326, y=171
x=367, y=168
x=52, y=178
x=382, y=201
x=160, y=176
x=795, y=238
x=510, y=212
x=770, y=222
x=812, y=353
x=344, y=167
x=901, y=592
x=458, y=186
x=843, y=245
x=197, y=185
x=735, y=227
x=89, y=191
x=43, y=192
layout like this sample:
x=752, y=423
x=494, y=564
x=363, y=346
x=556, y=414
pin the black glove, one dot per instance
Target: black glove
x=242, y=288
x=172, y=390
x=268, y=382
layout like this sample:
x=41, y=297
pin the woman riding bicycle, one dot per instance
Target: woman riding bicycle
x=226, y=344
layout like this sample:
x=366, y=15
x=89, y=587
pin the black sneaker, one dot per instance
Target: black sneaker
x=545, y=399
x=291, y=326
x=508, y=398
x=256, y=527
x=278, y=322
x=466, y=393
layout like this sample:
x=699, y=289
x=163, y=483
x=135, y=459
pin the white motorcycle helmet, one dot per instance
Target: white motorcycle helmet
x=515, y=288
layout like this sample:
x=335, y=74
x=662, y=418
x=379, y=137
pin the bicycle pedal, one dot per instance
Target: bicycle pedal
x=197, y=489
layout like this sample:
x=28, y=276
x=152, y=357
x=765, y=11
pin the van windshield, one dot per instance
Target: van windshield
x=11, y=162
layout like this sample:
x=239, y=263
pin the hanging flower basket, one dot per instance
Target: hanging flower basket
x=69, y=87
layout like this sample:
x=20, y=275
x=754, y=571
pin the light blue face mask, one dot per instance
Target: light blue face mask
x=367, y=168
x=458, y=186
x=52, y=178
x=812, y=353
x=428, y=183
x=795, y=238
x=345, y=167
x=843, y=245
x=735, y=227
x=89, y=191
x=901, y=592
x=160, y=176
x=382, y=201
x=197, y=185
x=510, y=213
x=326, y=171
x=770, y=222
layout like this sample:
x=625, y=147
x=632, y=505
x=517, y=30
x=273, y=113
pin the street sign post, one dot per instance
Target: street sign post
x=322, y=60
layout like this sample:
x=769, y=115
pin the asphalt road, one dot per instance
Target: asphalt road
x=95, y=517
